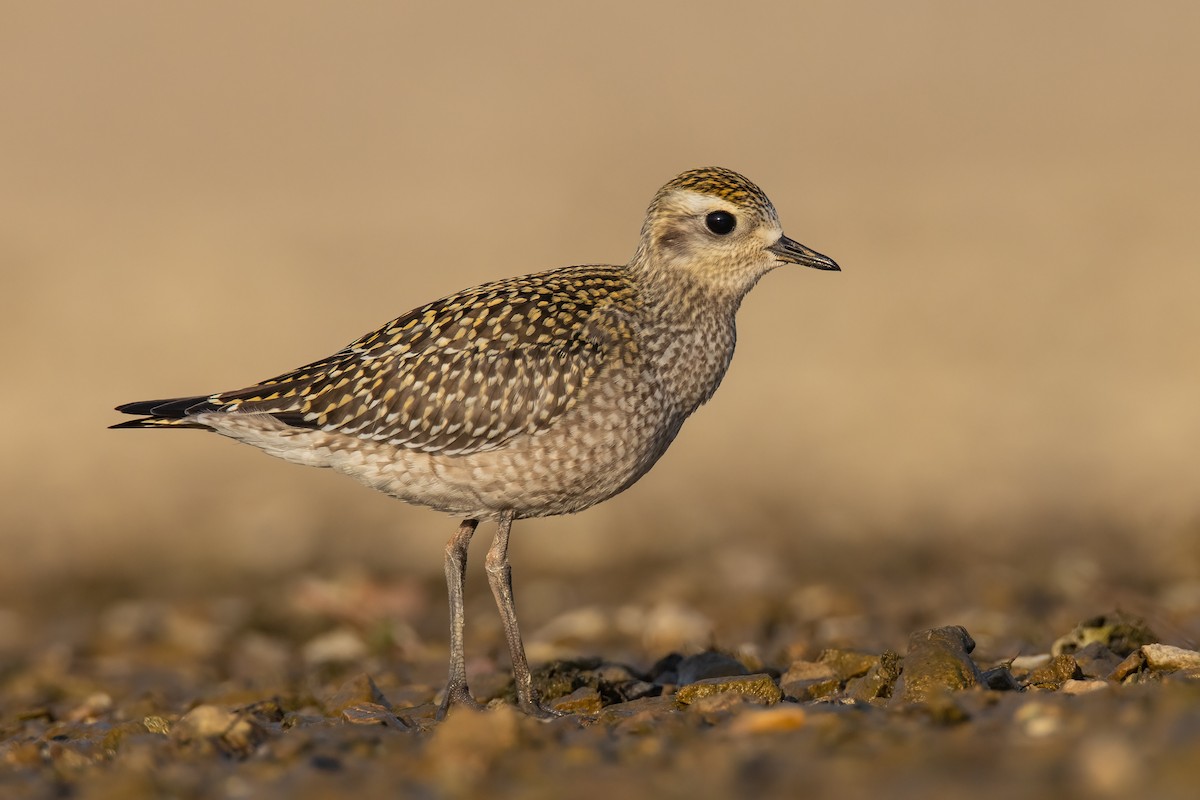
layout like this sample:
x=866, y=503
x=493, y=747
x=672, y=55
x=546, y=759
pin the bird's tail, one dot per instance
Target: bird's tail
x=173, y=413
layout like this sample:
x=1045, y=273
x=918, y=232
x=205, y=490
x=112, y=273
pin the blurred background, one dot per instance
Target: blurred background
x=197, y=195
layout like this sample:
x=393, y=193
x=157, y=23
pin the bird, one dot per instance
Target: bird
x=525, y=397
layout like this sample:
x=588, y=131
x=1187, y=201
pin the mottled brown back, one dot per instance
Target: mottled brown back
x=461, y=374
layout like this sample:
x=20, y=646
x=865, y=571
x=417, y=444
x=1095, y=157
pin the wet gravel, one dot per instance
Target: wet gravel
x=672, y=680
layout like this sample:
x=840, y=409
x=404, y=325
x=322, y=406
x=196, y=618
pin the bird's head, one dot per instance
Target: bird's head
x=719, y=228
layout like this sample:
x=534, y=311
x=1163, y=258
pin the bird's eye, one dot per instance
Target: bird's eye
x=721, y=223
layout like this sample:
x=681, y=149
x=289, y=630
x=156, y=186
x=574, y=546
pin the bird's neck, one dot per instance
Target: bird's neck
x=695, y=323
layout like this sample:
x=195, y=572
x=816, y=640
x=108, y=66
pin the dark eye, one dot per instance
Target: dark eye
x=721, y=222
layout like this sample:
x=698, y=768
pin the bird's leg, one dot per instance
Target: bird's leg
x=456, y=573
x=500, y=577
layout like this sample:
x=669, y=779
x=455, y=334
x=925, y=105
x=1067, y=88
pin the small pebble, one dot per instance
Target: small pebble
x=1133, y=664
x=779, y=719
x=1054, y=673
x=1165, y=658
x=373, y=714
x=584, y=700
x=203, y=721
x=759, y=688
x=1030, y=663
x=1088, y=686
x=231, y=733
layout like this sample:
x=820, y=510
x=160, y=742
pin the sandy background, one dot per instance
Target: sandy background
x=195, y=196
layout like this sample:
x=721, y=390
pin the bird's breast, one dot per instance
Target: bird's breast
x=688, y=359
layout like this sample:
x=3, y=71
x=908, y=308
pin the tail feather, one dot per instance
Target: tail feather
x=174, y=407
x=169, y=413
x=175, y=413
x=158, y=422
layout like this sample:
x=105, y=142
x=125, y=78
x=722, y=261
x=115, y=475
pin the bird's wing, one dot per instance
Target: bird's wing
x=463, y=374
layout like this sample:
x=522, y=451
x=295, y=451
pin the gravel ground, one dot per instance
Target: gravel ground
x=1033, y=666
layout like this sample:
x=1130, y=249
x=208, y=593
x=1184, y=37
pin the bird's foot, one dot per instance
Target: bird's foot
x=457, y=694
x=534, y=708
x=540, y=712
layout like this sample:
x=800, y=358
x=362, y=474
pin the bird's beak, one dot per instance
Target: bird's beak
x=792, y=252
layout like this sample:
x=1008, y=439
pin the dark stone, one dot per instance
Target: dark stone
x=1095, y=660
x=709, y=664
x=665, y=670
x=937, y=662
x=1054, y=674
x=1000, y=679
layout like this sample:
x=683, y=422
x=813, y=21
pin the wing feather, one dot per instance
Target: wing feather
x=463, y=374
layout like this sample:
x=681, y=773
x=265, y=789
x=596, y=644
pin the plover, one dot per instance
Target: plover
x=526, y=397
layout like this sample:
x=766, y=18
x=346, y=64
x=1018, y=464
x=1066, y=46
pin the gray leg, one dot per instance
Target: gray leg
x=500, y=577
x=456, y=572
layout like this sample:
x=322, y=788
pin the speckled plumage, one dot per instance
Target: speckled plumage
x=531, y=396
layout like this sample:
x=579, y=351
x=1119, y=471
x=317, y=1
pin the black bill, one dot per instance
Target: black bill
x=793, y=252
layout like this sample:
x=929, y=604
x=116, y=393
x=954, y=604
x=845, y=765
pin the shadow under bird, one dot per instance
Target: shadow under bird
x=526, y=397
